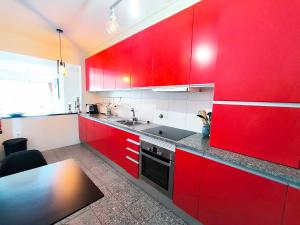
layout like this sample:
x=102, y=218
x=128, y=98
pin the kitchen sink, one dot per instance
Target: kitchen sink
x=128, y=122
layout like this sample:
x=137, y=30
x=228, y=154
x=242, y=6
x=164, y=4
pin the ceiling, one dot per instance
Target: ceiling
x=83, y=21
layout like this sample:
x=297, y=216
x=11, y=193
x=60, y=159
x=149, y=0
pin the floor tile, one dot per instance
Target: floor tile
x=86, y=218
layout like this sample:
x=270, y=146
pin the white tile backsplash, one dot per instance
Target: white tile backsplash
x=178, y=109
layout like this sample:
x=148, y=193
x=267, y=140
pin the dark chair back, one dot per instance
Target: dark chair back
x=21, y=161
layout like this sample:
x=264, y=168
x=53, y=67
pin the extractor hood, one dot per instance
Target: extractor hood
x=183, y=88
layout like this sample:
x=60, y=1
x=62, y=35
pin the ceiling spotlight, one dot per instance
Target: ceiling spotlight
x=112, y=25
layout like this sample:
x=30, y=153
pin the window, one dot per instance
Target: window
x=32, y=86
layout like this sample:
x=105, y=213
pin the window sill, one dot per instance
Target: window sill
x=29, y=116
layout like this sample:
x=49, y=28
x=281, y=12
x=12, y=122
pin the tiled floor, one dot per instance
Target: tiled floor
x=124, y=203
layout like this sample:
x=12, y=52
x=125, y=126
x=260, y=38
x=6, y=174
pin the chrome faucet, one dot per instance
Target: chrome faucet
x=134, y=118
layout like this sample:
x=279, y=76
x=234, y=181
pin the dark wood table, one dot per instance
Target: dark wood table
x=46, y=194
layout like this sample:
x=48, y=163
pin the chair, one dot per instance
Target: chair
x=21, y=161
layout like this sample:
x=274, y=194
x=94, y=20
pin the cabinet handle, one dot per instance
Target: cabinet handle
x=131, y=159
x=131, y=150
x=132, y=141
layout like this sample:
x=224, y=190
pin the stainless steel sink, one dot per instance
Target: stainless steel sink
x=128, y=122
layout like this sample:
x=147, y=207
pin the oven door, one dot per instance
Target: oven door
x=157, y=172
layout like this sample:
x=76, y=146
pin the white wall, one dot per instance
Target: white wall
x=179, y=109
x=43, y=133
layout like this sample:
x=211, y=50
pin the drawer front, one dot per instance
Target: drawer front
x=131, y=166
x=132, y=153
x=132, y=146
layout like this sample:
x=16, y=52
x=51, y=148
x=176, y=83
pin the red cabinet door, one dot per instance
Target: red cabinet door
x=89, y=74
x=172, y=49
x=205, y=42
x=187, y=181
x=82, y=128
x=109, y=68
x=258, y=57
x=231, y=196
x=292, y=207
x=142, y=51
x=123, y=63
x=98, y=72
x=268, y=133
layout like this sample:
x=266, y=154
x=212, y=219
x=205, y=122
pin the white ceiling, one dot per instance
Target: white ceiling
x=83, y=21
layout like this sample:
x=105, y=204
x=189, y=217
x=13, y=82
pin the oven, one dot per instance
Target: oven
x=157, y=167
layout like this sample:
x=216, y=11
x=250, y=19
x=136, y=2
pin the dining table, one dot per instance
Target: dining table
x=45, y=195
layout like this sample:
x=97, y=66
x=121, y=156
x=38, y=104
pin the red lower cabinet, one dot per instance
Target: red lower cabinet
x=186, y=182
x=231, y=196
x=82, y=128
x=292, y=208
x=217, y=194
x=118, y=145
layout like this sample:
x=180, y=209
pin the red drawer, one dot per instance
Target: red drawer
x=132, y=153
x=131, y=166
x=268, y=133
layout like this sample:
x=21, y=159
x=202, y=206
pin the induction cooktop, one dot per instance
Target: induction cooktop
x=171, y=133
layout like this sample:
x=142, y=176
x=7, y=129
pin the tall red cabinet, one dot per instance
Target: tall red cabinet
x=268, y=133
x=258, y=57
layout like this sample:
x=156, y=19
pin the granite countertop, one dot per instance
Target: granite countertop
x=199, y=145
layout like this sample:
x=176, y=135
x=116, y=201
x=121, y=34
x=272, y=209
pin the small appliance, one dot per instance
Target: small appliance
x=92, y=109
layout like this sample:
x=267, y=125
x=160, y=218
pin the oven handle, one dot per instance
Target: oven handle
x=157, y=160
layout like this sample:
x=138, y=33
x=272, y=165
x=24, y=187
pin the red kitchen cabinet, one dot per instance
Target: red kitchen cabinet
x=109, y=68
x=268, y=133
x=172, y=49
x=89, y=74
x=82, y=128
x=292, y=207
x=258, y=57
x=142, y=52
x=123, y=52
x=187, y=181
x=98, y=72
x=205, y=42
x=231, y=196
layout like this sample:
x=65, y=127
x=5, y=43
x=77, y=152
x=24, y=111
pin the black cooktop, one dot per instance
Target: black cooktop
x=171, y=133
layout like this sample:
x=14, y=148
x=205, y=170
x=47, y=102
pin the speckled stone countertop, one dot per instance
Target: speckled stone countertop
x=199, y=145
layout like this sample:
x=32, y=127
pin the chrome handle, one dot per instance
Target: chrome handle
x=157, y=160
x=132, y=141
x=131, y=150
x=131, y=159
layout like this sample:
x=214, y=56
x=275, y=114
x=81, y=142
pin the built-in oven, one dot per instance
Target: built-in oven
x=157, y=166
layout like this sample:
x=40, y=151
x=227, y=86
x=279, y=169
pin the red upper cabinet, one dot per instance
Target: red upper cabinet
x=205, y=42
x=142, y=52
x=187, y=181
x=109, y=68
x=98, y=72
x=258, y=57
x=268, y=133
x=231, y=196
x=89, y=74
x=292, y=207
x=123, y=63
x=172, y=49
